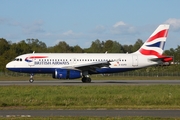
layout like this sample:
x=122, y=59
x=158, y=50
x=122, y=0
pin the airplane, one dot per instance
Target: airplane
x=81, y=65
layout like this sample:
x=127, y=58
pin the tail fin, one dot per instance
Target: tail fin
x=155, y=43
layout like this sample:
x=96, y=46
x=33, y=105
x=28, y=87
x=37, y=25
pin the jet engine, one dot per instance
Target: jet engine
x=66, y=74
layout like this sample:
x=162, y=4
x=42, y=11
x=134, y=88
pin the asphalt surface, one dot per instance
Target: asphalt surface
x=94, y=82
x=98, y=113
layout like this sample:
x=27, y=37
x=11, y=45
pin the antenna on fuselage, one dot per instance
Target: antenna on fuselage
x=33, y=52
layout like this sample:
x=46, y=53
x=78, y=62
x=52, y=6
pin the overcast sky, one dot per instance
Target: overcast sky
x=79, y=22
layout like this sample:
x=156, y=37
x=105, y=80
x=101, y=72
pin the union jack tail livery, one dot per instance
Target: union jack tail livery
x=154, y=46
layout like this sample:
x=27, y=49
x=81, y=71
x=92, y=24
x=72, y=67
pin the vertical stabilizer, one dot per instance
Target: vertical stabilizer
x=155, y=43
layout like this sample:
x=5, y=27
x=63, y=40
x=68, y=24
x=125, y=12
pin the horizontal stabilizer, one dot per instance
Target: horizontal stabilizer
x=162, y=59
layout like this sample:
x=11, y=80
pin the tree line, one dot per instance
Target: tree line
x=10, y=50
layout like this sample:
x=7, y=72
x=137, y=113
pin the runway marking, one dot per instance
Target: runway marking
x=9, y=116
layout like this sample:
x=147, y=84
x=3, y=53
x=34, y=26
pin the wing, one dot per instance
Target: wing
x=93, y=66
x=90, y=67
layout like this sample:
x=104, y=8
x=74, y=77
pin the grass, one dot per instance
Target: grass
x=90, y=97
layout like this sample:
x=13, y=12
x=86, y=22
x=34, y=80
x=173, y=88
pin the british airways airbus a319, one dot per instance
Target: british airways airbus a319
x=81, y=65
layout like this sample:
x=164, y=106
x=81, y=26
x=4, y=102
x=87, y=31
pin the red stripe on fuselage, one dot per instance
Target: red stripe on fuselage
x=37, y=57
x=160, y=34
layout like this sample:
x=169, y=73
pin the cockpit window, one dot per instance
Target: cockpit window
x=18, y=59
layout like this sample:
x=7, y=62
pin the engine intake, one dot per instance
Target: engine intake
x=66, y=74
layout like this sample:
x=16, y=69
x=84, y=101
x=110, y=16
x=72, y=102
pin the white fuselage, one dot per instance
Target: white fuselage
x=47, y=62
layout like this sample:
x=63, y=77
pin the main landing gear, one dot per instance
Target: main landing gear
x=86, y=79
x=31, y=80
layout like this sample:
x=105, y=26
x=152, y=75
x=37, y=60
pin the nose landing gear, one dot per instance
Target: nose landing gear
x=31, y=80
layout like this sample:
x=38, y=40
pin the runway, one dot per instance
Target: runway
x=97, y=113
x=91, y=113
x=94, y=82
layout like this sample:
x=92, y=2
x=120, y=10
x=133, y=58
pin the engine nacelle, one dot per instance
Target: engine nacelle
x=66, y=74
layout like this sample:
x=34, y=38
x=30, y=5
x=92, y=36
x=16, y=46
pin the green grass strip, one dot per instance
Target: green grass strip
x=90, y=97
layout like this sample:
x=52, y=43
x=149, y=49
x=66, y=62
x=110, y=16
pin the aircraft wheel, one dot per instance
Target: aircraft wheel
x=86, y=79
x=83, y=79
x=31, y=80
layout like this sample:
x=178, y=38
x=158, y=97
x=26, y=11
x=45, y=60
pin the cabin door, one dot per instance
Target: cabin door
x=134, y=60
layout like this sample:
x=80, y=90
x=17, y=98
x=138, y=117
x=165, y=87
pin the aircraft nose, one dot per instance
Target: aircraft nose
x=12, y=66
x=9, y=65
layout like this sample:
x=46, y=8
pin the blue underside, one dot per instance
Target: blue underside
x=52, y=70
